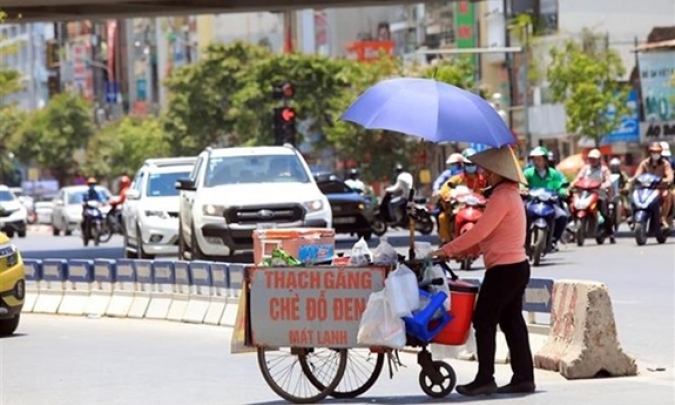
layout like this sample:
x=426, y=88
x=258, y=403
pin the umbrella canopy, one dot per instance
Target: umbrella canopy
x=571, y=164
x=435, y=111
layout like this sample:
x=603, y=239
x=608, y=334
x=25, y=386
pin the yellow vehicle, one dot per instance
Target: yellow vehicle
x=12, y=286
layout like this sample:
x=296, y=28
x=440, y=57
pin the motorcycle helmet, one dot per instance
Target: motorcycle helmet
x=353, y=174
x=614, y=163
x=594, y=154
x=92, y=181
x=455, y=158
x=539, y=151
x=468, y=152
x=398, y=169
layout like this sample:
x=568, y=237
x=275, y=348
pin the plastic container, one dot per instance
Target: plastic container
x=462, y=302
x=420, y=324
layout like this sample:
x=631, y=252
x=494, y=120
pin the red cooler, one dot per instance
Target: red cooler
x=462, y=302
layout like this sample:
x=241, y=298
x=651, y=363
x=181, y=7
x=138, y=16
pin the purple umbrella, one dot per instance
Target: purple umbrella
x=435, y=111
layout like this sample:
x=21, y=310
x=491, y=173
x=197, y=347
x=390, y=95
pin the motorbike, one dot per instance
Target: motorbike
x=112, y=224
x=470, y=208
x=646, y=204
x=92, y=222
x=540, y=208
x=386, y=215
x=586, y=212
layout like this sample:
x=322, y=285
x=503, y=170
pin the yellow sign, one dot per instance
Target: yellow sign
x=425, y=176
x=33, y=174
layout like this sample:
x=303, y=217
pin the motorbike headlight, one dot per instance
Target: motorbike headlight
x=213, y=210
x=313, y=206
x=158, y=214
x=581, y=204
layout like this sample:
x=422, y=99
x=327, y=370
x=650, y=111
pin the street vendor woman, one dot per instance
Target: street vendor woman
x=500, y=234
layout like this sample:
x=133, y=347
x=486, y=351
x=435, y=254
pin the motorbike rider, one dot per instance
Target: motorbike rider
x=655, y=164
x=354, y=182
x=667, y=154
x=454, y=166
x=92, y=194
x=542, y=174
x=117, y=201
x=397, y=194
x=595, y=170
x=473, y=179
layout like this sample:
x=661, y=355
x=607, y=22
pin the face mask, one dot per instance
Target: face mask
x=470, y=169
x=656, y=156
x=453, y=168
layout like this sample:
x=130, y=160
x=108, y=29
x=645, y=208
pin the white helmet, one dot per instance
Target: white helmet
x=454, y=159
x=615, y=162
x=666, y=149
x=594, y=154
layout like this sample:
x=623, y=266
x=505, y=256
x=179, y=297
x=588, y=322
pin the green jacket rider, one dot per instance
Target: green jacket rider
x=550, y=179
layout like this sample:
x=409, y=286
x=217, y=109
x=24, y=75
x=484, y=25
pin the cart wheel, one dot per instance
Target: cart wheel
x=298, y=389
x=443, y=388
x=362, y=371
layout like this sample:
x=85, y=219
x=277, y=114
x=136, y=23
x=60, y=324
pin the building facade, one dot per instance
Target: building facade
x=25, y=51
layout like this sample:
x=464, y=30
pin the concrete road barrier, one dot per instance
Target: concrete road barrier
x=53, y=278
x=164, y=286
x=101, y=288
x=179, y=301
x=124, y=289
x=583, y=341
x=79, y=276
x=144, y=288
x=219, y=293
x=200, y=292
x=33, y=269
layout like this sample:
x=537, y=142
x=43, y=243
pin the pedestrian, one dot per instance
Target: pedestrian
x=500, y=234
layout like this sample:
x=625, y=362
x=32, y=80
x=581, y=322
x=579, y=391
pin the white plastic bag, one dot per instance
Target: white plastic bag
x=423, y=249
x=360, y=255
x=379, y=326
x=431, y=273
x=402, y=291
x=385, y=254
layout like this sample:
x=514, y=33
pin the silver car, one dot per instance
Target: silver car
x=67, y=211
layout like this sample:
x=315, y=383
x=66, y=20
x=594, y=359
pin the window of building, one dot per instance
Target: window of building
x=544, y=14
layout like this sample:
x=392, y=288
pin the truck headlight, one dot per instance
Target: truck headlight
x=313, y=206
x=12, y=256
x=213, y=210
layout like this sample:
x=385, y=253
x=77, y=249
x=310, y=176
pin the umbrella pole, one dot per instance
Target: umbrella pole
x=411, y=226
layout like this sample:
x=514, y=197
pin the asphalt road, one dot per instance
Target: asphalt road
x=641, y=281
x=60, y=360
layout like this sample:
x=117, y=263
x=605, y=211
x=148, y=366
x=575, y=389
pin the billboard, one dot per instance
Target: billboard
x=656, y=79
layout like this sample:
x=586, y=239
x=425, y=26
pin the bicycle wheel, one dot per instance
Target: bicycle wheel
x=300, y=389
x=362, y=371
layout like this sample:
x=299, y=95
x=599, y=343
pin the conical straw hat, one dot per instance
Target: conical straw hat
x=501, y=161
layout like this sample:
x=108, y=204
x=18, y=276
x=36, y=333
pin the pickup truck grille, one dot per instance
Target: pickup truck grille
x=265, y=214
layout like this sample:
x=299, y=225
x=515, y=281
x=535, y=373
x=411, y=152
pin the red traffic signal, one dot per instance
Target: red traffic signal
x=287, y=114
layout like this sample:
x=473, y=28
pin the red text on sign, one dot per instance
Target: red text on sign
x=465, y=32
x=332, y=337
x=348, y=309
x=285, y=309
x=347, y=279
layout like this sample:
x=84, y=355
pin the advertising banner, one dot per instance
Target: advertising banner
x=656, y=78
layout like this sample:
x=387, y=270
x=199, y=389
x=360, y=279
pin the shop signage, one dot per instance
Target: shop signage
x=657, y=131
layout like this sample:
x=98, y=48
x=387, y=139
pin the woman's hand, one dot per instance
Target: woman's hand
x=439, y=254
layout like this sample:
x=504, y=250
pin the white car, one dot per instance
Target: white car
x=13, y=214
x=67, y=211
x=150, y=212
x=232, y=191
x=43, y=212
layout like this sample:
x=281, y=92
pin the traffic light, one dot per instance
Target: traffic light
x=284, y=91
x=53, y=58
x=284, y=125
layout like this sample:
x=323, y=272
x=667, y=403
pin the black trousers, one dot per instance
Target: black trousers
x=500, y=302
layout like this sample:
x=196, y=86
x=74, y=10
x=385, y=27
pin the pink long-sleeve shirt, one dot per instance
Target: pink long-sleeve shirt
x=500, y=232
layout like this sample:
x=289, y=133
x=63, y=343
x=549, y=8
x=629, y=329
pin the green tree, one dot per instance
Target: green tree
x=9, y=78
x=585, y=78
x=375, y=150
x=50, y=137
x=200, y=96
x=317, y=81
x=121, y=147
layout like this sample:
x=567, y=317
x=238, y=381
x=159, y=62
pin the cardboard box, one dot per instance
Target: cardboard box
x=309, y=245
